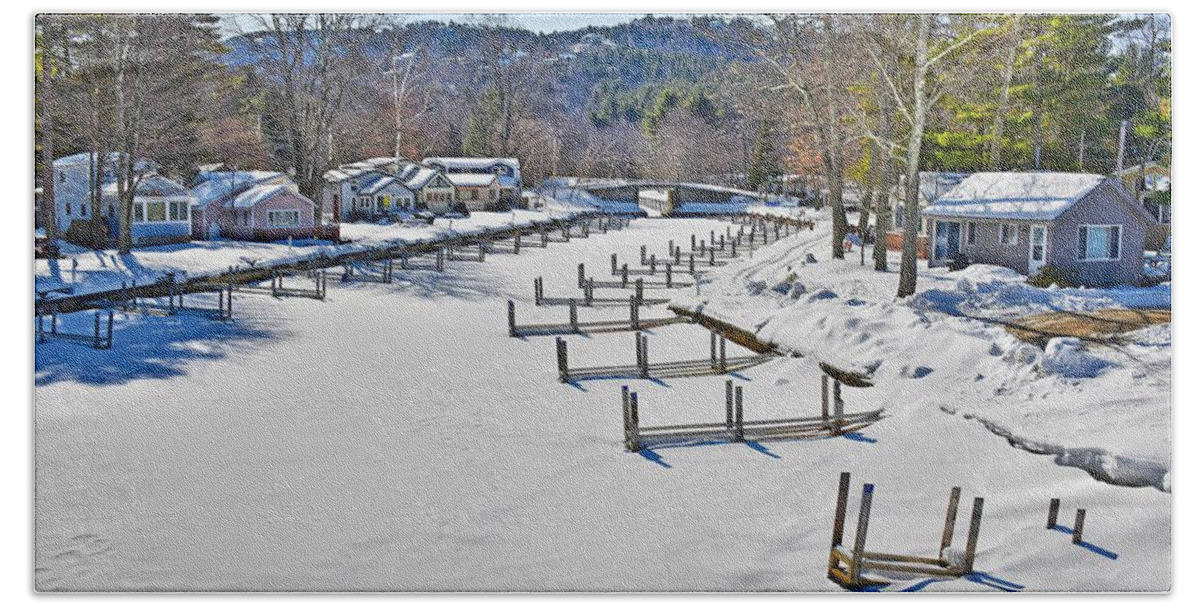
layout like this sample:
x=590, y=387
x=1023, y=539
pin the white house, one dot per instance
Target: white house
x=433, y=191
x=161, y=207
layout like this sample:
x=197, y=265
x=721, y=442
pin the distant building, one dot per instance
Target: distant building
x=506, y=170
x=476, y=191
x=161, y=210
x=1082, y=224
x=433, y=191
x=251, y=206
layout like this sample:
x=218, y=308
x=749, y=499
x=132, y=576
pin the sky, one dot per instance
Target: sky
x=234, y=23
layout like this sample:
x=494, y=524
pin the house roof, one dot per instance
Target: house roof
x=1015, y=196
x=219, y=185
x=471, y=163
x=256, y=194
x=420, y=178
x=471, y=180
x=376, y=184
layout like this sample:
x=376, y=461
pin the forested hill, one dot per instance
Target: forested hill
x=646, y=51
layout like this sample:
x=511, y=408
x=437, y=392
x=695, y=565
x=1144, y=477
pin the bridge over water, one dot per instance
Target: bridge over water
x=661, y=197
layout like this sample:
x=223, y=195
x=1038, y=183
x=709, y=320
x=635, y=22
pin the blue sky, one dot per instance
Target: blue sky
x=537, y=22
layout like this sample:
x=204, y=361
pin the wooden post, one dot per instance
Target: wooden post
x=837, y=407
x=637, y=349
x=580, y=275
x=517, y=243
x=739, y=421
x=668, y=276
x=537, y=291
x=41, y=330
x=624, y=275
x=643, y=258
x=588, y=291
x=634, y=322
x=973, y=535
x=613, y=261
x=574, y=316
x=1052, y=520
x=860, y=534
x=545, y=238
x=951, y=515
x=440, y=265
x=1077, y=532
x=723, y=369
x=692, y=263
x=825, y=397
x=110, y=325
x=712, y=349
x=633, y=423
x=625, y=419
x=560, y=346
x=712, y=258
x=678, y=253
x=653, y=263
x=96, y=332
x=640, y=290
x=512, y=319
x=693, y=240
x=645, y=342
x=729, y=405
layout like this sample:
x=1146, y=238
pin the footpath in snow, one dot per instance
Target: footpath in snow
x=393, y=437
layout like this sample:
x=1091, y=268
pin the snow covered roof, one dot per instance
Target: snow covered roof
x=1017, y=196
x=257, y=194
x=381, y=181
x=471, y=180
x=420, y=177
x=461, y=163
x=219, y=185
x=509, y=182
x=83, y=158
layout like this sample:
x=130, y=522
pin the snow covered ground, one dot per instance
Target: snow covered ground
x=394, y=438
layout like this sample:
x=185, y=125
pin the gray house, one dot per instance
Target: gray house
x=1082, y=224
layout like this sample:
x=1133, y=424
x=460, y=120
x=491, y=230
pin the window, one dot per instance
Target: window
x=156, y=211
x=1099, y=242
x=179, y=211
x=62, y=177
x=1008, y=234
x=83, y=210
x=139, y=212
x=283, y=219
x=68, y=209
x=970, y=233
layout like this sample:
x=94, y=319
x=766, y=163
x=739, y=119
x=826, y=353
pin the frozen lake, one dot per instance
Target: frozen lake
x=393, y=437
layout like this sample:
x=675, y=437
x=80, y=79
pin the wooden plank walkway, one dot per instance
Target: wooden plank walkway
x=735, y=428
x=575, y=326
x=642, y=368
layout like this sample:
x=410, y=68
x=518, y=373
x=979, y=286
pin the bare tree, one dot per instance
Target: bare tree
x=919, y=58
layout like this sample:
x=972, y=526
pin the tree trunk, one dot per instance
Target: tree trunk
x=912, y=185
x=835, y=164
x=46, y=96
x=883, y=196
x=1010, y=62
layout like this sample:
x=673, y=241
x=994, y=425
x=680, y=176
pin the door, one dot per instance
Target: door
x=947, y=240
x=1037, y=248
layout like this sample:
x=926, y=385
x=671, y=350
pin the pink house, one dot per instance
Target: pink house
x=251, y=206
